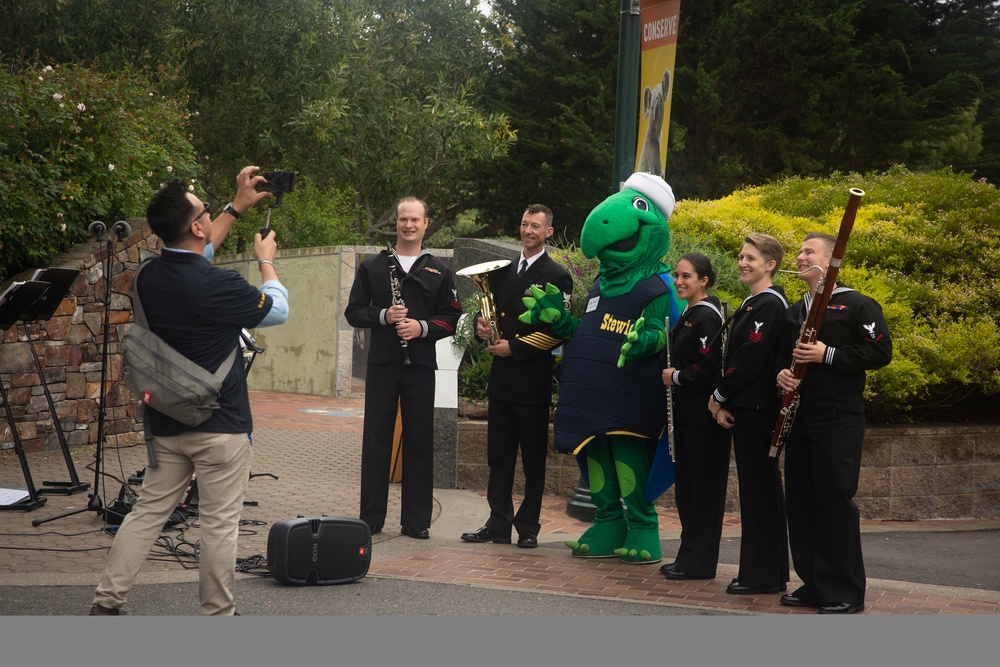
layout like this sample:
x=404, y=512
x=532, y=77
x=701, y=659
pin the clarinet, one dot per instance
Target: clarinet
x=397, y=296
x=809, y=332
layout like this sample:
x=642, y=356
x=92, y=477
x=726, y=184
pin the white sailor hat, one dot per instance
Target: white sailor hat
x=655, y=188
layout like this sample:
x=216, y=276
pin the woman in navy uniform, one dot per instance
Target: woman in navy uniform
x=746, y=401
x=701, y=446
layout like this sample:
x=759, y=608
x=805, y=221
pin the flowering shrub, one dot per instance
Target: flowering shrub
x=78, y=145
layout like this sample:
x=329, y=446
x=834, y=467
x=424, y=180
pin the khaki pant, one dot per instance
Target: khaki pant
x=221, y=462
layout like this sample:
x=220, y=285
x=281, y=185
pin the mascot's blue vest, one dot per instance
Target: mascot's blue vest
x=595, y=396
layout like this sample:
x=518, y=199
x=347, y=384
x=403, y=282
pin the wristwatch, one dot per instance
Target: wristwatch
x=231, y=211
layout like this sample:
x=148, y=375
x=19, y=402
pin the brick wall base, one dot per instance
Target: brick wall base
x=909, y=473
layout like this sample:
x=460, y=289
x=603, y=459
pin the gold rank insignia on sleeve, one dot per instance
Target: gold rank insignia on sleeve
x=541, y=340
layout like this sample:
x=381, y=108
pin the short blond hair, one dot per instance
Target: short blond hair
x=404, y=200
x=769, y=247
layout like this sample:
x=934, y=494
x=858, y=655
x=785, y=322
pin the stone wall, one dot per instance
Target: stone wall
x=69, y=346
x=909, y=473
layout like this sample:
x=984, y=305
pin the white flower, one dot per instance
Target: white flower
x=62, y=105
x=190, y=188
x=111, y=167
x=57, y=96
x=149, y=174
x=41, y=78
x=81, y=107
x=47, y=68
x=62, y=227
x=170, y=170
x=151, y=94
x=59, y=215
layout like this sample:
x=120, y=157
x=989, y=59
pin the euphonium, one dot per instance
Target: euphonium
x=479, y=273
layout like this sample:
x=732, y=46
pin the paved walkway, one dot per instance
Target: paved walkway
x=307, y=463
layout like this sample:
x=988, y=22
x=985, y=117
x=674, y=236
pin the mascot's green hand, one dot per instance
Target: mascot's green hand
x=640, y=342
x=543, y=306
x=630, y=341
x=548, y=307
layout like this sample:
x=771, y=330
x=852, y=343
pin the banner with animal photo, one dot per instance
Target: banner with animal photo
x=660, y=19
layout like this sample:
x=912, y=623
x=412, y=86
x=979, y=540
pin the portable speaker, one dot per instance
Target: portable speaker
x=319, y=551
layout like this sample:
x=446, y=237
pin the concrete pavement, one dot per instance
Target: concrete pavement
x=307, y=463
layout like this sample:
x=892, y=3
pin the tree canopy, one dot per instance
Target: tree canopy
x=774, y=88
x=481, y=115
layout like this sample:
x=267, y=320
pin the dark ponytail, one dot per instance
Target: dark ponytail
x=702, y=266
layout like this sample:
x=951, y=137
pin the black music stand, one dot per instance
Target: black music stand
x=94, y=502
x=61, y=281
x=14, y=302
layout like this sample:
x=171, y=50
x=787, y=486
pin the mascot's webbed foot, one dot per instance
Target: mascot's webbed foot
x=600, y=540
x=642, y=546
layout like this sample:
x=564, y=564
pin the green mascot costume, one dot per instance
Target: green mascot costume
x=612, y=402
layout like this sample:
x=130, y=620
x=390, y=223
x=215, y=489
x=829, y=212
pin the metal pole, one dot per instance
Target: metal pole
x=627, y=94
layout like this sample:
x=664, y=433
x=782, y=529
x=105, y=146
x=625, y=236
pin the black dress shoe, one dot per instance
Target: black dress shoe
x=793, y=600
x=736, y=588
x=416, y=533
x=100, y=610
x=841, y=608
x=680, y=574
x=486, y=534
x=375, y=530
x=527, y=541
x=667, y=568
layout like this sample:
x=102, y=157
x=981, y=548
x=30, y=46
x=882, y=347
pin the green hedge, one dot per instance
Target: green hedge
x=924, y=245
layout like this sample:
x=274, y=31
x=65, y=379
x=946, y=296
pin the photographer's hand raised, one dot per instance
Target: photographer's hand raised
x=247, y=195
x=246, y=198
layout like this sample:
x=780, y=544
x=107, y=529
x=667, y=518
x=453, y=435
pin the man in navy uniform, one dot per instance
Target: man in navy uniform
x=823, y=448
x=402, y=332
x=520, y=386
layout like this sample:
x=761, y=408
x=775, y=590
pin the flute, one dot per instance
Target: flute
x=397, y=296
x=670, y=398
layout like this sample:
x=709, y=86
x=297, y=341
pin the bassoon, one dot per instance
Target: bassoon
x=809, y=332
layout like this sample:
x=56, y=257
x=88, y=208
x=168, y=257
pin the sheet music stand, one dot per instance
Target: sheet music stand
x=19, y=298
x=61, y=280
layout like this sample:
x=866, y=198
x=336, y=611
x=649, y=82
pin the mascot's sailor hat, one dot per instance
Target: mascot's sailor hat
x=655, y=188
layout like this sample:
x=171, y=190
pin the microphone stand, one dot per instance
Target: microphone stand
x=95, y=504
